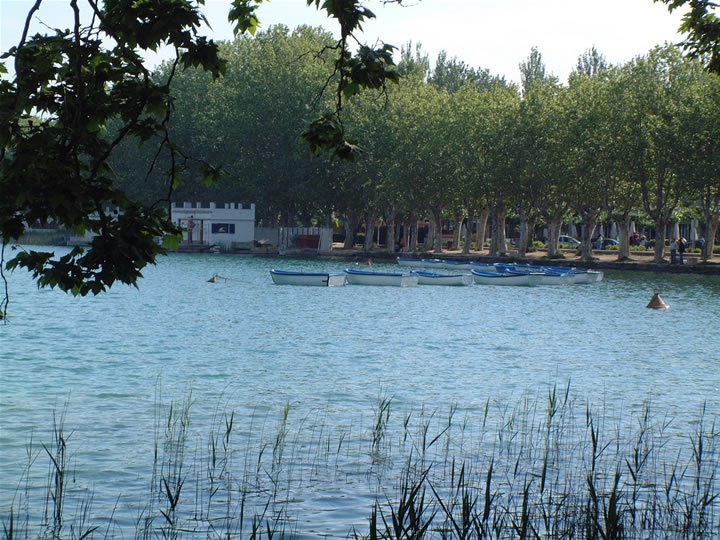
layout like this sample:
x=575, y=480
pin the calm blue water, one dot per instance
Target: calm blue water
x=112, y=364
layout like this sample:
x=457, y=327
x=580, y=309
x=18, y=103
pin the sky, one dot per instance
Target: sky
x=491, y=34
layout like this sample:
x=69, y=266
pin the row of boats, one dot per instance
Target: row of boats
x=443, y=272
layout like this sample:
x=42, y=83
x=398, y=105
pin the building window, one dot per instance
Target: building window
x=223, y=228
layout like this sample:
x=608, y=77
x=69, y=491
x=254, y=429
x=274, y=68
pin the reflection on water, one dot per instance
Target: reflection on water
x=250, y=347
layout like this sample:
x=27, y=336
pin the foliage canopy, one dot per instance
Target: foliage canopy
x=76, y=94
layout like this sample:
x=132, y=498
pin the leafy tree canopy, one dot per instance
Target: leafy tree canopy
x=76, y=94
x=702, y=24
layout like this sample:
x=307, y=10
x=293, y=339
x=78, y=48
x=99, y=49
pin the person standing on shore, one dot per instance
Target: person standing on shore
x=673, y=251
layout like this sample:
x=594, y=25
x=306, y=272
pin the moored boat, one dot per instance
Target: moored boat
x=435, y=278
x=451, y=264
x=504, y=278
x=553, y=275
x=542, y=277
x=413, y=262
x=316, y=279
x=586, y=276
x=369, y=277
x=483, y=266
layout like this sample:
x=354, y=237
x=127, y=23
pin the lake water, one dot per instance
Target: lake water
x=112, y=364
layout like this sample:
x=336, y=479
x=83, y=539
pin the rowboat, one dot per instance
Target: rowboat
x=483, y=266
x=586, y=276
x=504, y=278
x=420, y=263
x=576, y=275
x=316, y=279
x=553, y=275
x=450, y=264
x=369, y=277
x=541, y=277
x=435, y=278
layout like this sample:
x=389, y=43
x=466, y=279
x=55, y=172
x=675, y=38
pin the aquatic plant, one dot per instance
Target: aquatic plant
x=546, y=466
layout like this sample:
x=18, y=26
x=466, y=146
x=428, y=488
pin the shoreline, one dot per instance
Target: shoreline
x=603, y=260
x=606, y=260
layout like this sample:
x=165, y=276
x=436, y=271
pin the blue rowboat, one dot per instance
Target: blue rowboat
x=435, y=278
x=504, y=278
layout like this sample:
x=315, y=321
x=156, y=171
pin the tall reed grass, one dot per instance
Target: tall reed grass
x=548, y=466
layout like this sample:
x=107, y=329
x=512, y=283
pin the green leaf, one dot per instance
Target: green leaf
x=242, y=14
x=211, y=175
x=171, y=241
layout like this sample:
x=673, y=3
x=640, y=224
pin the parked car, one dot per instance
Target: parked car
x=606, y=242
x=568, y=242
x=610, y=242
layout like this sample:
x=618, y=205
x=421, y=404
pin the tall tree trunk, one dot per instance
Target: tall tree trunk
x=468, y=231
x=429, y=241
x=554, y=225
x=482, y=228
x=459, y=218
x=660, y=234
x=624, y=231
x=660, y=228
x=498, y=242
x=412, y=233
x=437, y=232
x=523, y=240
x=712, y=227
x=370, y=219
x=390, y=230
x=589, y=223
x=402, y=233
x=350, y=225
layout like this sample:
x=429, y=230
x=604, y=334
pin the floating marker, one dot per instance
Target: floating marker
x=656, y=302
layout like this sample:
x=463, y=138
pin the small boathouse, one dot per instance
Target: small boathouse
x=215, y=227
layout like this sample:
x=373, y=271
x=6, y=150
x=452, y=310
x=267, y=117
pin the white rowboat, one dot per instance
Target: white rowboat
x=316, y=279
x=497, y=278
x=434, y=278
x=543, y=278
x=368, y=277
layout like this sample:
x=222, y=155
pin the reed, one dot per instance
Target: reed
x=548, y=466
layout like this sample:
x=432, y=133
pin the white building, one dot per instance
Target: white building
x=230, y=226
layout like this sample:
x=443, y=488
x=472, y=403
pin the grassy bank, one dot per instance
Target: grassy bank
x=546, y=466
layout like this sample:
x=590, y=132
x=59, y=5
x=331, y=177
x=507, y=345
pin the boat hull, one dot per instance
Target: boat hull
x=421, y=263
x=497, y=278
x=544, y=278
x=450, y=264
x=311, y=279
x=590, y=276
x=434, y=278
x=385, y=279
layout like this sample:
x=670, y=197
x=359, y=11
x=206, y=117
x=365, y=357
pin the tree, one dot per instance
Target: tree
x=532, y=71
x=591, y=63
x=71, y=85
x=452, y=74
x=622, y=193
x=662, y=87
x=699, y=120
x=423, y=150
x=541, y=152
x=702, y=25
x=586, y=108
